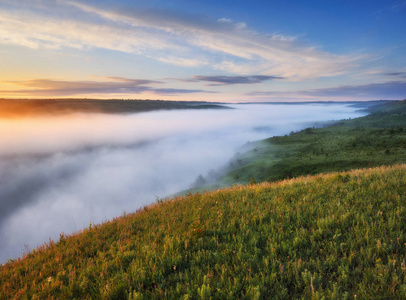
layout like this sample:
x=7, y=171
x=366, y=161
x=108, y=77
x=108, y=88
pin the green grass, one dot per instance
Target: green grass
x=375, y=140
x=336, y=236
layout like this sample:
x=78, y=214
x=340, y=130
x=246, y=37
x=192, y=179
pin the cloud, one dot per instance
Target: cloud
x=116, y=85
x=240, y=25
x=167, y=36
x=393, y=7
x=58, y=174
x=398, y=6
x=373, y=91
x=179, y=91
x=397, y=74
x=229, y=80
x=225, y=20
x=184, y=62
x=387, y=90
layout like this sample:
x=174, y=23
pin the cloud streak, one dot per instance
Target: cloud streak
x=167, y=36
x=116, y=85
x=229, y=80
x=397, y=74
x=395, y=90
x=387, y=90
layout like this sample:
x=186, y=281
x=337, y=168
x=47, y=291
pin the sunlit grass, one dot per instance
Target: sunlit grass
x=335, y=235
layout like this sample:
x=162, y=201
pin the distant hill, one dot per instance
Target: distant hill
x=338, y=235
x=25, y=107
x=374, y=140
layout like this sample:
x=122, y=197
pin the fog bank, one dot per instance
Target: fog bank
x=58, y=174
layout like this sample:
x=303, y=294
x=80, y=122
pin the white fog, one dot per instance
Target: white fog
x=60, y=173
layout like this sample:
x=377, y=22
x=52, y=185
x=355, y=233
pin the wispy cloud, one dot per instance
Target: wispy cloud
x=388, y=90
x=115, y=85
x=229, y=80
x=396, y=74
x=373, y=91
x=392, y=8
x=167, y=36
x=398, y=6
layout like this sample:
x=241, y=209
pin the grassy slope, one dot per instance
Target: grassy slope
x=335, y=235
x=374, y=140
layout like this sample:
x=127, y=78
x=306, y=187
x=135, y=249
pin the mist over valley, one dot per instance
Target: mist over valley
x=60, y=173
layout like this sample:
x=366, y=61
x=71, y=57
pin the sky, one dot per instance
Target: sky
x=228, y=51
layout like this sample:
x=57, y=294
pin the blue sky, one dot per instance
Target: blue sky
x=203, y=50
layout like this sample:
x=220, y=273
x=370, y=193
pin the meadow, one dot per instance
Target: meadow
x=339, y=236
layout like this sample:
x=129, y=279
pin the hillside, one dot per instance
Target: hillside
x=339, y=235
x=374, y=140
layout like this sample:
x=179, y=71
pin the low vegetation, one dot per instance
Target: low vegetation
x=340, y=235
x=374, y=140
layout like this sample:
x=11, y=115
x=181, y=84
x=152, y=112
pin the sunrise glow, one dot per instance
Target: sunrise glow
x=203, y=50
